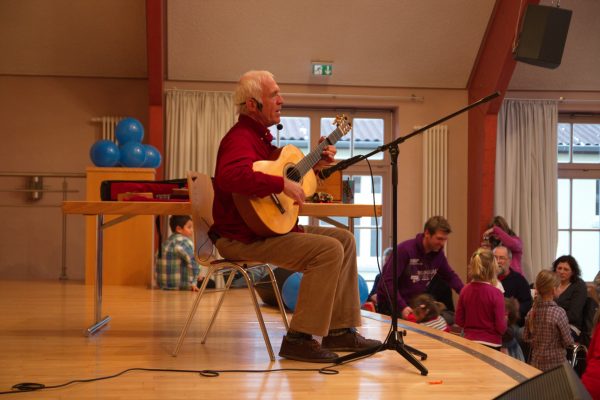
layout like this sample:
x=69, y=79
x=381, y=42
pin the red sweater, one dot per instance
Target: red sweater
x=246, y=142
x=480, y=312
x=591, y=376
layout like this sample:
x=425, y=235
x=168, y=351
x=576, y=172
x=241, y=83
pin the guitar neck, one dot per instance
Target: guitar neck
x=314, y=156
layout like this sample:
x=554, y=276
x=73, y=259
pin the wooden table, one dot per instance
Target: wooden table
x=129, y=209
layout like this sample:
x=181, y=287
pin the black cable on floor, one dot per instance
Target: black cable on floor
x=25, y=387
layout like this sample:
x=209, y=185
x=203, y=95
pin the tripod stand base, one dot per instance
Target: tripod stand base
x=394, y=341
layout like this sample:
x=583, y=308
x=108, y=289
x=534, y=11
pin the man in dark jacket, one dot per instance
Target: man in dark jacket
x=515, y=285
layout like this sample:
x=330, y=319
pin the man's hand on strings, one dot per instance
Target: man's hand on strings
x=293, y=190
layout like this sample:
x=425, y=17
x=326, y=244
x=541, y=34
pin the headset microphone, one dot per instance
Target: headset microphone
x=258, y=104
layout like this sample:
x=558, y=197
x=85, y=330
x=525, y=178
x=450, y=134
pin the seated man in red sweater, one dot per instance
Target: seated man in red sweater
x=328, y=304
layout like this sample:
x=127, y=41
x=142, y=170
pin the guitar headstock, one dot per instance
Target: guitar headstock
x=341, y=121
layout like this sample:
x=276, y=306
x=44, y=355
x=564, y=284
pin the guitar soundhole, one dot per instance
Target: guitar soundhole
x=293, y=174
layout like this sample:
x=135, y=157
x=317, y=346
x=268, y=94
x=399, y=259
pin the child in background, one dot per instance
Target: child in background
x=510, y=345
x=480, y=309
x=547, y=325
x=427, y=312
x=177, y=268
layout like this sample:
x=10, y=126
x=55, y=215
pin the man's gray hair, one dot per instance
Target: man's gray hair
x=387, y=253
x=249, y=86
x=508, y=252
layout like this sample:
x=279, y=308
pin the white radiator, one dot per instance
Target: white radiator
x=435, y=166
x=108, y=124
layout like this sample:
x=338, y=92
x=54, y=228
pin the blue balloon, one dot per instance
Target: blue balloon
x=363, y=290
x=129, y=130
x=153, y=158
x=132, y=154
x=291, y=287
x=104, y=153
x=290, y=290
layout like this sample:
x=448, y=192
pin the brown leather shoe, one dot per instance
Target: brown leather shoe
x=307, y=349
x=349, y=341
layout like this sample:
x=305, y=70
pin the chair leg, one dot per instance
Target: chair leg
x=252, y=292
x=278, y=298
x=219, y=303
x=192, y=312
x=577, y=348
x=261, y=321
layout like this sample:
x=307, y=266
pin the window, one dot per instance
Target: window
x=296, y=131
x=367, y=231
x=579, y=193
x=366, y=135
x=370, y=129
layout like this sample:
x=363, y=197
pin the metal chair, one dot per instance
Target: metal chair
x=201, y=196
x=576, y=355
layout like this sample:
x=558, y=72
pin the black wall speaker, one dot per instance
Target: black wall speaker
x=560, y=383
x=543, y=36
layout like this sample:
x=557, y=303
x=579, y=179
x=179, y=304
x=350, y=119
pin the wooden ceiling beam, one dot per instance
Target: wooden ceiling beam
x=492, y=72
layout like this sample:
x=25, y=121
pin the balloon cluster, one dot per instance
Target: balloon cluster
x=130, y=152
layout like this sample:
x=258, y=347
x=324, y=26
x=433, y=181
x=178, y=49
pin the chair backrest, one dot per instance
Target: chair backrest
x=201, y=197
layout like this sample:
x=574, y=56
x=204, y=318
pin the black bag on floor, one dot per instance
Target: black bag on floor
x=265, y=289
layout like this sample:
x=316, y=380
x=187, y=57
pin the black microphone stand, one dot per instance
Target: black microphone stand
x=394, y=340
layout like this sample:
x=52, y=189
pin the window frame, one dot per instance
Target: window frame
x=576, y=171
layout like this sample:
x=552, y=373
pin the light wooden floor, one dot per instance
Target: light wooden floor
x=41, y=340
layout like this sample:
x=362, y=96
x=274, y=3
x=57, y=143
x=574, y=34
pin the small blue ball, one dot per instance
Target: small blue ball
x=129, y=130
x=153, y=157
x=104, y=153
x=132, y=154
x=290, y=290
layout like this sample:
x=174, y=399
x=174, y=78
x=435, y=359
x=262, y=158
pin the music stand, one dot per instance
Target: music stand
x=394, y=340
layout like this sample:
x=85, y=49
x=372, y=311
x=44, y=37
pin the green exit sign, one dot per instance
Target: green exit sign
x=322, y=69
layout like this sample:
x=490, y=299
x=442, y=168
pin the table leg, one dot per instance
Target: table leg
x=99, y=320
x=338, y=224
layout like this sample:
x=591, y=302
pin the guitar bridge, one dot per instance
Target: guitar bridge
x=277, y=203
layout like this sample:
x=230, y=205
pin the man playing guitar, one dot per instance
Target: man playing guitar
x=328, y=302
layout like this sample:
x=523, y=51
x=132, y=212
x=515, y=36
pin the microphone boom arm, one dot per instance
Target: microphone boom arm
x=326, y=172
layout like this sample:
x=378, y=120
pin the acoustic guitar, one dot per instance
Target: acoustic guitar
x=277, y=214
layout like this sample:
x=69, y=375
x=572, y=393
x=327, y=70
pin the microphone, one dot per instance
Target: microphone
x=327, y=172
x=279, y=127
x=258, y=104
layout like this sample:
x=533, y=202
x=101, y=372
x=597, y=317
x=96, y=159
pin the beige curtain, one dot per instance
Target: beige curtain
x=526, y=178
x=196, y=121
